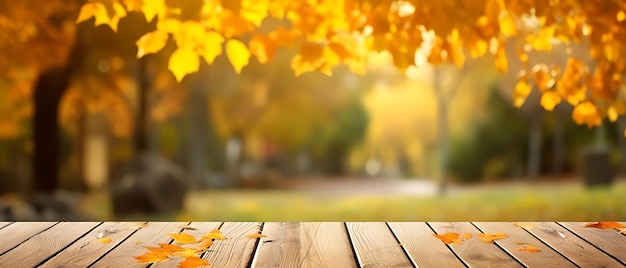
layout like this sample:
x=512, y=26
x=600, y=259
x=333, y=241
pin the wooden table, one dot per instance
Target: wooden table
x=311, y=244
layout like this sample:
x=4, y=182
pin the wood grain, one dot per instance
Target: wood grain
x=547, y=257
x=150, y=235
x=474, y=252
x=237, y=249
x=16, y=233
x=46, y=244
x=310, y=244
x=608, y=240
x=570, y=245
x=88, y=249
x=376, y=246
x=201, y=228
x=424, y=249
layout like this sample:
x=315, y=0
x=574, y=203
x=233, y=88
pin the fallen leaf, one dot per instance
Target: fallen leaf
x=623, y=230
x=105, y=240
x=452, y=238
x=193, y=262
x=491, y=237
x=137, y=225
x=215, y=234
x=168, y=249
x=189, y=252
x=529, y=248
x=256, y=235
x=525, y=225
x=184, y=238
x=606, y=225
x=152, y=257
x=187, y=227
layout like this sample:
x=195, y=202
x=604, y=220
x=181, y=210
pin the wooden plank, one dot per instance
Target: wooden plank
x=18, y=232
x=237, y=250
x=608, y=240
x=424, y=249
x=517, y=237
x=310, y=244
x=375, y=245
x=46, y=244
x=150, y=235
x=201, y=229
x=88, y=249
x=571, y=246
x=4, y=224
x=474, y=252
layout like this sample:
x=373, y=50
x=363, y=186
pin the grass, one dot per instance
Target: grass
x=510, y=202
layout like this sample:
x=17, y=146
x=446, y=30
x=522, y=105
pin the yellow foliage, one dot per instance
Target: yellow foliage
x=586, y=113
x=238, y=54
x=151, y=42
x=182, y=62
x=549, y=100
x=211, y=46
x=521, y=92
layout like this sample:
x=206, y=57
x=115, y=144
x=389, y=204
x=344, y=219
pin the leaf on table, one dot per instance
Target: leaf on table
x=452, y=238
x=152, y=257
x=215, y=234
x=623, y=230
x=137, y=225
x=256, y=235
x=606, y=225
x=525, y=225
x=184, y=238
x=190, y=252
x=165, y=248
x=105, y=240
x=529, y=248
x=491, y=237
x=187, y=227
x=193, y=262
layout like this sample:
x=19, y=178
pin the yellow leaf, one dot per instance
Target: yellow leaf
x=586, y=113
x=189, y=34
x=118, y=12
x=238, y=54
x=606, y=225
x=167, y=249
x=151, y=42
x=105, y=240
x=193, y=262
x=182, y=62
x=152, y=257
x=491, y=237
x=502, y=63
x=93, y=9
x=184, y=238
x=189, y=252
x=254, y=11
x=549, y=100
x=521, y=92
x=153, y=8
x=211, y=47
x=620, y=15
x=169, y=25
x=529, y=248
x=255, y=236
x=215, y=234
x=507, y=24
x=262, y=47
x=612, y=114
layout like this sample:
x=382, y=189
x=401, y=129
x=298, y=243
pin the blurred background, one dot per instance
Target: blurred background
x=130, y=142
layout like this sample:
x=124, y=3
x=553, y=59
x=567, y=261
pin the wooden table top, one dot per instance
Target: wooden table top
x=313, y=244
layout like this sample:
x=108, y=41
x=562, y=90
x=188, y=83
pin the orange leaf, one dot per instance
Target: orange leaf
x=189, y=252
x=105, y=240
x=184, y=238
x=606, y=225
x=529, y=248
x=215, y=234
x=491, y=237
x=452, y=238
x=152, y=257
x=193, y=262
x=256, y=235
x=165, y=249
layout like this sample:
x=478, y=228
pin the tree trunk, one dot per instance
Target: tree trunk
x=141, y=131
x=442, y=127
x=47, y=96
x=558, y=143
x=534, y=148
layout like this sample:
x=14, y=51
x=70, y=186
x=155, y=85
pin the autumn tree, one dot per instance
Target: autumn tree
x=328, y=33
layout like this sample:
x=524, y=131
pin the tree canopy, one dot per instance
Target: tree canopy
x=327, y=33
